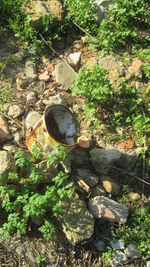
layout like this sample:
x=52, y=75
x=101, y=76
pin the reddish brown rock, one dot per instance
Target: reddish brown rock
x=4, y=131
x=102, y=207
x=136, y=67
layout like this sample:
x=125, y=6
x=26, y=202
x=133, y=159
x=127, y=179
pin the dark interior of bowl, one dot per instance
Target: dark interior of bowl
x=60, y=124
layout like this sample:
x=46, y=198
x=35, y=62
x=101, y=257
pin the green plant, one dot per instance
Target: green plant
x=136, y=231
x=41, y=260
x=5, y=96
x=106, y=256
x=92, y=85
x=84, y=13
x=123, y=24
x=28, y=196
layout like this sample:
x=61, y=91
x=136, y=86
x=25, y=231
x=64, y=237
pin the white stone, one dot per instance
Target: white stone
x=15, y=111
x=31, y=98
x=74, y=58
x=56, y=99
x=119, y=245
x=32, y=118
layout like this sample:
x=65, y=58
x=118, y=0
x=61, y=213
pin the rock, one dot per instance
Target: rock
x=127, y=160
x=30, y=71
x=110, y=63
x=57, y=99
x=136, y=67
x=22, y=81
x=110, y=185
x=6, y=165
x=119, y=245
x=4, y=131
x=78, y=44
x=148, y=264
x=99, y=245
x=90, y=178
x=79, y=158
x=77, y=222
x=102, y=207
x=15, y=111
x=17, y=138
x=38, y=9
x=32, y=118
x=117, y=259
x=97, y=191
x=44, y=76
x=64, y=75
x=31, y=98
x=134, y=196
x=10, y=148
x=74, y=59
x=132, y=252
x=102, y=159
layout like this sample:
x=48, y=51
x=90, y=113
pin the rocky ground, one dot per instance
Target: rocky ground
x=94, y=170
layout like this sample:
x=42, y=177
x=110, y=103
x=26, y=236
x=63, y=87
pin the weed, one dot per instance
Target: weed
x=26, y=197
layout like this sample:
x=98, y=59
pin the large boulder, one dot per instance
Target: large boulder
x=103, y=159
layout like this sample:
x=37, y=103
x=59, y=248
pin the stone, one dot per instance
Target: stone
x=148, y=264
x=17, y=138
x=77, y=222
x=30, y=71
x=44, y=76
x=91, y=62
x=31, y=98
x=90, y=178
x=117, y=259
x=119, y=245
x=134, y=196
x=74, y=59
x=132, y=252
x=110, y=63
x=136, y=67
x=99, y=245
x=10, y=148
x=79, y=158
x=127, y=160
x=15, y=111
x=4, y=130
x=32, y=118
x=110, y=185
x=105, y=208
x=56, y=99
x=97, y=191
x=38, y=9
x=64, y=75
x=7, y=164
x=103, y=159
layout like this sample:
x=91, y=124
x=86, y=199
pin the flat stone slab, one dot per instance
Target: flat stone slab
x=64, y=75
x=102, y=207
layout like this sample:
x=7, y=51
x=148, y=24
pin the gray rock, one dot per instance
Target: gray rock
x=132, y=252
x=57, y=99
x=64, y=75
x=15, y=111
x=102, y=159
x=102, y=207
x=7, y=164
x=17, y=138
x=31, y=97
x=77, y=222
x=30, y=71
x=97, y=191
x=32, y=118
x=127, y=161
x=117, y=259
x=119, y=245
x=90, y=178
x=79, y=158
x=99, y=245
